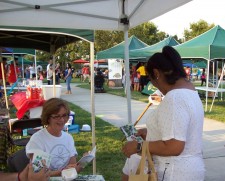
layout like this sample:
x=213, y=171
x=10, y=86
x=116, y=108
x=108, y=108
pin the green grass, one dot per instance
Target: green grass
x=109, y=158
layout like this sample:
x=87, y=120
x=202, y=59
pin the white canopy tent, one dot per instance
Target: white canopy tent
x=87, y=14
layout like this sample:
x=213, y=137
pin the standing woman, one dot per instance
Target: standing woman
x=203, y=77
x=13, y=72
x=174, y=129
x=68, y=77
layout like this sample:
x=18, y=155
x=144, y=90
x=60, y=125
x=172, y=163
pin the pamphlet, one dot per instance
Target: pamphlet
x=40, y=157
x=83, y=162
x=129, y=131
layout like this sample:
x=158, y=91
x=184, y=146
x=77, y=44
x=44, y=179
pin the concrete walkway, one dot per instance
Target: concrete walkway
x=113, y=109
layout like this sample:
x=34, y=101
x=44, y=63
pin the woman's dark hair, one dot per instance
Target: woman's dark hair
x=69, y=65
x=169, y=63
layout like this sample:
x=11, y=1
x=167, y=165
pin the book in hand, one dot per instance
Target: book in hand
x=129, y=131
x=40, y=157
x=85, y=160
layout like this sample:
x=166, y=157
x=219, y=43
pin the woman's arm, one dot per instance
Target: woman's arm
x=73, y=163
x=171, y=147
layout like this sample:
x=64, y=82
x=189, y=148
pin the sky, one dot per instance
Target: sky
x=179, y=19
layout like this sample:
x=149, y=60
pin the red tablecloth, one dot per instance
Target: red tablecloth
x=23, y=104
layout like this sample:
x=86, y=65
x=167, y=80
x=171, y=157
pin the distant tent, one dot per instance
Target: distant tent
x=150, y=50
x=42, y=63
x=6, y=50
x=209, y=46
x=201, y=64
x=118, y=50
x=19, y=51
x=21, y=61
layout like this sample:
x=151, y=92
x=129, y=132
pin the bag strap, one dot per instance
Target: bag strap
x=141, y=166
x=149, y=157
x=143, y=159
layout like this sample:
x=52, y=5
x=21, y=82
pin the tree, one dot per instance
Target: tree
x=148, y=33
x=197, y=29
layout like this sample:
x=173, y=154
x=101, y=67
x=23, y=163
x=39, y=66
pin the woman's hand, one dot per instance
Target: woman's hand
x=130, y=148
x=29, y=175
x=142, y=132
x=76, y=166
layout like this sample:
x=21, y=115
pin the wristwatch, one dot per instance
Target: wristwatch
x=139, y=147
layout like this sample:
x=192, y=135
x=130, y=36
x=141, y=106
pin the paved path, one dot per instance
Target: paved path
x=113, y=109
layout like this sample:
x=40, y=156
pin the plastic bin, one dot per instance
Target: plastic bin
x=36, y=112
x=71, y=119
x=47, y=91
x=75, y=128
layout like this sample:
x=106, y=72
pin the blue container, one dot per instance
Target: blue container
x=75, y=128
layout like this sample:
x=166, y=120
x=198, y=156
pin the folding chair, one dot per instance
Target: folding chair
x=17, y=161
x=17, y=126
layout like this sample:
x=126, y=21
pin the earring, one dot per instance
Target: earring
x=157, y=78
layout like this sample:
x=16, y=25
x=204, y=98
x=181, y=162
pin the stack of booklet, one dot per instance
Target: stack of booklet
x=130, y=132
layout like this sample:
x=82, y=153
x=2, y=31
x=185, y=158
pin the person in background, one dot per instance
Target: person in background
x=188, y=72
x=48, y=78
x=40, y=75
x=198, y=74
x=203, y=77
x=68, y=78
x=50, y=74
x=135, y=79
x=174, y=130
x=13, y=72
x=32, y=71
x=27, y=73
x=53, y=140
x=86, y=73
x=143, y=76
x=4, y=62
x=57, y=73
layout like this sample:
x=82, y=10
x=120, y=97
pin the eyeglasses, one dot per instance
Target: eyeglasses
x=58, y=117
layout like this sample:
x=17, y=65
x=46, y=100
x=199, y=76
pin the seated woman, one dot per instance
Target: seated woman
x=99, y=81
x=52, y=139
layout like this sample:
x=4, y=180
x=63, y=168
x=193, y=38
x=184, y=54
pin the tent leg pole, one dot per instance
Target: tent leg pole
x=92, y=103
x=127, y=73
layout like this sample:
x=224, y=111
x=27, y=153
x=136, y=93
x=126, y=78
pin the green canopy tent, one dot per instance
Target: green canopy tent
x=118, y=50
x=21, y=61
x=201, y=64
x=46, y=39
x=209, y=46
x=150, y=50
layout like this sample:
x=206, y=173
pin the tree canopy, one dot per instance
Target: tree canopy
x=197, y=29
